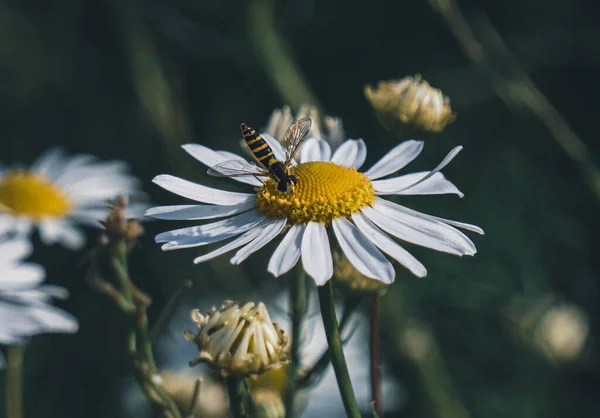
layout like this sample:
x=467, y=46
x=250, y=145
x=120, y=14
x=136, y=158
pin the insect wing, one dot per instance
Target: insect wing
x=236, y=168
x=295, y=136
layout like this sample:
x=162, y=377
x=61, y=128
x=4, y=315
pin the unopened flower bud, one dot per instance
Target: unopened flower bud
x=410, y=101
x=118, y=224
x=345, y=273
x=239, y=340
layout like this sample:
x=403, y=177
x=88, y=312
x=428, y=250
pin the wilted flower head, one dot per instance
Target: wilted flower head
x=410, y=101
x=239, y=340
x=120, y=222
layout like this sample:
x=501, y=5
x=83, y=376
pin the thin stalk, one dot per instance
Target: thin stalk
x=139, y=343
x=240, y=399
x=375, y=356
x=14, y=381
x=298, y=304
x=336, y=351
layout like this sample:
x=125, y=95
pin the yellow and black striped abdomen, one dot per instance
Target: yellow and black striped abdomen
x=258, y=146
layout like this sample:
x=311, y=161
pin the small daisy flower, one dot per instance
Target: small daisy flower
x=57, y=193
x=331, y=195
x=24, y=302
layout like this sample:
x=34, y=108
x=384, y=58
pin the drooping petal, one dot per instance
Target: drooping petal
x=388, y=246
x=396, y=159
x=316, y=253
x=63, y=232
x=288, y=252
x=236, y=243
x=270, y=232
x=197, y=212
x=437, y=184
x=211, y=158
x=351, y=153
x=315, y=149
x=201, y=193
x=411, y=226
x=361, y=252
x=21, y=276
x=199, y=235
x=453, y=153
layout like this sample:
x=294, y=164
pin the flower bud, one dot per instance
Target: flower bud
x=239, y=340
x=347, y=275
x=410, y=101
x=268, y=404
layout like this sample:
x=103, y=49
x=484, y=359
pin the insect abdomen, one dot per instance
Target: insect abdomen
x=258, y=146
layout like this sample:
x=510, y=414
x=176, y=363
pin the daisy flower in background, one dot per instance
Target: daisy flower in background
x=24, y=301
x=59, y=192
x=330, y=195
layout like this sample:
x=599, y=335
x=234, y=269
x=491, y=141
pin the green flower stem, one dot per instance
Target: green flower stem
x=139, y=344
x=336, y=351
x=298, y=305
x=240, y=398
x=14, y=381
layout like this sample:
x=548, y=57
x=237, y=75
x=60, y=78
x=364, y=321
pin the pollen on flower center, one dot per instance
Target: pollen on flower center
x=325, y=191
x=28, y=194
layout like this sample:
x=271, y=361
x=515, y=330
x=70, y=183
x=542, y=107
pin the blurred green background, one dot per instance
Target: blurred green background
x=512, y=332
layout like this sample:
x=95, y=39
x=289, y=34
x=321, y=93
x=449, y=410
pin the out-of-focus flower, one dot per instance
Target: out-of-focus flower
x=59, y=192
x=410, y=101
x=324, y=127
x=268, y=403
x=562, y=332
x=25, y=308
x=330, y=194
x=239, y=340
x=212, y=398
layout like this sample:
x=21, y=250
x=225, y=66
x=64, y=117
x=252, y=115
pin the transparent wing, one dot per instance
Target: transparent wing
x=236, y=168
x=295, y=136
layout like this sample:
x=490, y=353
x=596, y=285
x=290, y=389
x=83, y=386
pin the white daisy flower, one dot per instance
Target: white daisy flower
x=58, y=192
x=331, y=195
x=24, y=302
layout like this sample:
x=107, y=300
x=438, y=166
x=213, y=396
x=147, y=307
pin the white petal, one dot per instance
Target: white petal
x=316, y=253
x=437, y=184
x=315, y=149
x=468, y=227
x=211, y=158
x=200, y=235
x=7, y=223
x=49, y=231
x=201, y=193
x=453, y=153
x=397, y=158
x=272, y=230
x=49, y=164
x=275, y=145
x=55, y=231
x=388, y=246
x=21, y=276
x=14, y=250
x=414, y=227
x=361, y=252
x=236, y=243
x=352, y=153
x=197, y=212
x=288, y=252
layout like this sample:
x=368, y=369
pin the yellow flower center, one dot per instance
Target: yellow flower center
x=325, y=191
x=24, y=193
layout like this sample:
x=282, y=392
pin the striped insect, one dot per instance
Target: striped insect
x=262, y=152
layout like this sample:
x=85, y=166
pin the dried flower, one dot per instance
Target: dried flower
x=239, y=341
x=410, y=101
x=118, y=223
x=346, y=274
